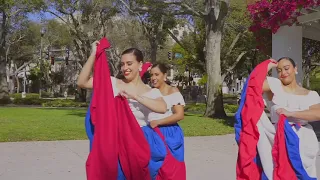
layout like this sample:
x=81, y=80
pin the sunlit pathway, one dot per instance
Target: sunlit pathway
x=207, y=158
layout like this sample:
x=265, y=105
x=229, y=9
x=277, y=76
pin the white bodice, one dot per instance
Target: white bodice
x=290, y=102
x=140, y=112
x=171, y=100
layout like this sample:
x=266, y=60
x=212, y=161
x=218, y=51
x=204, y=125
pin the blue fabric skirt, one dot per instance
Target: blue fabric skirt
x=174, y=139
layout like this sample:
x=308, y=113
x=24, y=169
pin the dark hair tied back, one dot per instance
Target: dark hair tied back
x=136, y=52
x=289, y=59
x=163, y=68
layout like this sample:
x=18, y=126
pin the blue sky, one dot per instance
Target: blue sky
x=37, y=16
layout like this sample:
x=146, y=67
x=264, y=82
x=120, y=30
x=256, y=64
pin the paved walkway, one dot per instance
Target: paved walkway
x=65, y=160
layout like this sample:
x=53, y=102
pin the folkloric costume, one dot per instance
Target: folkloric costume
x=173, y=132
x=122, y=145
x=286, y=150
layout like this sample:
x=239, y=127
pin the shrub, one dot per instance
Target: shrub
x=15, y=95
x=30, y=99
x=33, y=99
x=64, y=103
x=195, y=108
x=19, y=95
x=230, y=95
x=230, y=108
x=45, y=94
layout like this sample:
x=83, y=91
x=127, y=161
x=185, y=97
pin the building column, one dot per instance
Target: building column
x=287, y=42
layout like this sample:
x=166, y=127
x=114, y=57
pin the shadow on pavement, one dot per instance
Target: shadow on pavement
x=229, y=121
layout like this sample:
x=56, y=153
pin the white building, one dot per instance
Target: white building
x=235, y=88
x=287, y=41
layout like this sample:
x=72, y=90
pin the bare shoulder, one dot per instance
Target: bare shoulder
x=173, y=90
x=148, y=88
x=145, y=89
x=304, y=91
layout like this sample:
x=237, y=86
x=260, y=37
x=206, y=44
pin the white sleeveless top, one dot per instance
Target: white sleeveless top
x=290, y=102
x=140, y=111
x=171, y=100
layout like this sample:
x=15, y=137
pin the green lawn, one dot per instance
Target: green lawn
x=35, y=124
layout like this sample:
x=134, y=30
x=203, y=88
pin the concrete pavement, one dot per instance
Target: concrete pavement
x=207, y=158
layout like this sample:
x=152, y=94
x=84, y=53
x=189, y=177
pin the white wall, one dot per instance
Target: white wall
x=287, y=42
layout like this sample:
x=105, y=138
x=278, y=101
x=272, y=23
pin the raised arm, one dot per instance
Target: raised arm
x=267, y=90
x=156, y=105
x=178, y=114
x=84, y=79
x=177, y=103
x=311, y=114
x=266, y=87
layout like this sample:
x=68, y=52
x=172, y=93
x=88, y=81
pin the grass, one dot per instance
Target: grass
x=197, y=125
x=32, y=124
x=200, y=108
x=39, y=124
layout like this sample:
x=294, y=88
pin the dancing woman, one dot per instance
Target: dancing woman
x=131, y=86
x=139, y=151
x=167, y=122
x=285, y=147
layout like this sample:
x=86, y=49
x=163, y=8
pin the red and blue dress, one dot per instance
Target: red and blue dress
x=122, y=144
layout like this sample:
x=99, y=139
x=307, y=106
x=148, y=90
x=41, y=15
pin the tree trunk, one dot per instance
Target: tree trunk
x=307, y=81
x=12, y=84
x=154, y=49
x=254, y=60
x=306, y=72
x=18, y=83
x=88, y=95
x=114, y=61
x=81, y=95
x=214, y=89
x=4, y=90
x=217, y=12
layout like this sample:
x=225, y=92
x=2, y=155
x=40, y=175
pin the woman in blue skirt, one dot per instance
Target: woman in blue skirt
x=167, y=122
x=143, y=101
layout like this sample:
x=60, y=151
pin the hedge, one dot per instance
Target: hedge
x=33, y=99
x=64, y=103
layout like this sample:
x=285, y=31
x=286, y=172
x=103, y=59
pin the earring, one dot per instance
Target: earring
x=297, y=72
